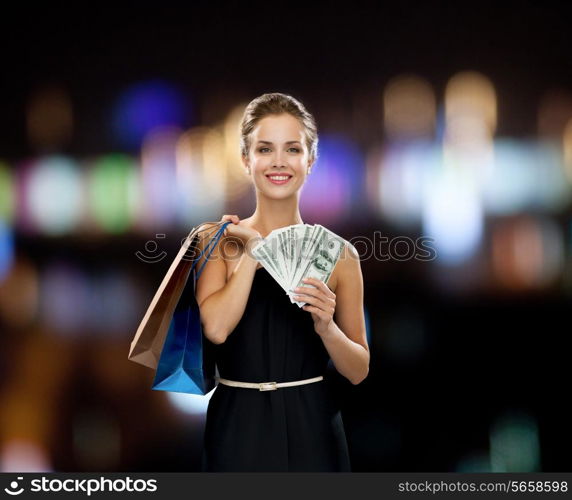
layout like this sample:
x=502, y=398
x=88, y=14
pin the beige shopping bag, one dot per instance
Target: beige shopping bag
x=148, y=342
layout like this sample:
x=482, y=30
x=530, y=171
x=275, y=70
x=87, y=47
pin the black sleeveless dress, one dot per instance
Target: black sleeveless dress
x=288, y=429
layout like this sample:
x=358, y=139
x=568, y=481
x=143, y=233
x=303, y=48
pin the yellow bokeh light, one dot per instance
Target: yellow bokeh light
x=409, y=107
x=49, y=119
x=238, y=182
x=470, y=108
x=554, y=112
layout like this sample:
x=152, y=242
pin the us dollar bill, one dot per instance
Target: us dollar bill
x=325, y=255
x=299, y=251
x=263, y=254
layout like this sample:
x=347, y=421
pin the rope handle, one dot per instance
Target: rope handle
x=210, y=245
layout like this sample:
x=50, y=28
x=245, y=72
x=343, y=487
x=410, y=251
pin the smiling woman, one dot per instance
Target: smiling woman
x=286, y=160
x=273, y=409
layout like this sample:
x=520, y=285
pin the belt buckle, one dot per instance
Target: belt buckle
x=267, y=386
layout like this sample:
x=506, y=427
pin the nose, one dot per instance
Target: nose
x=279, y=158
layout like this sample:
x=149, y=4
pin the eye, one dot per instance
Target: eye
x=262, y=149
x=296, y=150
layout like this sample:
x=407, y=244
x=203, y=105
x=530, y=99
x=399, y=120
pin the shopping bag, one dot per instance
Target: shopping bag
x=148, y=342
x=187, y=362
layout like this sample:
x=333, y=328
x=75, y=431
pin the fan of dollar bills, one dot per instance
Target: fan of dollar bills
x=292, y=253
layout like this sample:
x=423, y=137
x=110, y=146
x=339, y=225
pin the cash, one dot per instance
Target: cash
x=293, y=253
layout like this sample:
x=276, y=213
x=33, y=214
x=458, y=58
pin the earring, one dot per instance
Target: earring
x=248, y=168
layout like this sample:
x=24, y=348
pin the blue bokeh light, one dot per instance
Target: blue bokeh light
x=146, y=106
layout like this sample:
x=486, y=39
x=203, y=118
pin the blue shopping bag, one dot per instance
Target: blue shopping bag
x=187, y=363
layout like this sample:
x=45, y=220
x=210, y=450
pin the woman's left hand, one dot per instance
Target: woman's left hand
x=321, y=302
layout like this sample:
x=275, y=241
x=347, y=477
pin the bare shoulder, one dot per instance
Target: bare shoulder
x=206, y=232
x=213, y=272
x=205, y=228
x=347, y=268
x=229, y=249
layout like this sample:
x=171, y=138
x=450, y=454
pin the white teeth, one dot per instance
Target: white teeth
x=278, y=178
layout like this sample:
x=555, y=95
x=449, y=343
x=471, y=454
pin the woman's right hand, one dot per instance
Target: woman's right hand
x=239, y=230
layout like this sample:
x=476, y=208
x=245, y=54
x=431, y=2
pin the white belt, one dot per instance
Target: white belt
x=268, y=386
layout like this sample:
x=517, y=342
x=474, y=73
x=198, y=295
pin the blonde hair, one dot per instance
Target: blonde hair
x=277, y=104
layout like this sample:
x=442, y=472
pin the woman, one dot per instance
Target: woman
x=259, y=335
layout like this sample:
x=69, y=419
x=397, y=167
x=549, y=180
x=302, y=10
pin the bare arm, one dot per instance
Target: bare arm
x=345, y=337
x=346, y=340
x=222, y=302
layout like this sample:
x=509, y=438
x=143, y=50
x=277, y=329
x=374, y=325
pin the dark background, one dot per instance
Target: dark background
x=480, y=355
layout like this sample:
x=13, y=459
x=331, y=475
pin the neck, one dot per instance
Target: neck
x=272, y=214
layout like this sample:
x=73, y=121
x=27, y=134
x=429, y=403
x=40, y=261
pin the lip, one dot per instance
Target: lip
x=279, y=183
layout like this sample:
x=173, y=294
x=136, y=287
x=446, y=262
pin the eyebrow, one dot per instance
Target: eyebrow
x=287, y=142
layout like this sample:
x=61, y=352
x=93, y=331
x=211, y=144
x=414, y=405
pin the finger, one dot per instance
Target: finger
x=232, y=218
x=310, y=309
x=321, y=286
x=304, y=298
x=307, y=290
x=226, y=218
x=313, y=291
x=317, y=312
x=316, y=301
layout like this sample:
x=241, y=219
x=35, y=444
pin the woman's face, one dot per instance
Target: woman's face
x=278, y=149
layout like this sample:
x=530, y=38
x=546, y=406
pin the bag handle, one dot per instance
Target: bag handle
x=195, y=230
x=210, y=246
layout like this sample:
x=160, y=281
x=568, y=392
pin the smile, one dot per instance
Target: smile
x=278, y=179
